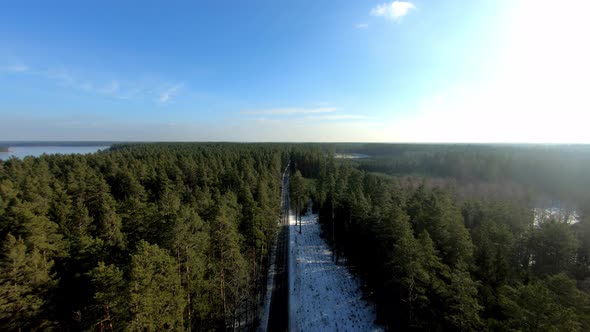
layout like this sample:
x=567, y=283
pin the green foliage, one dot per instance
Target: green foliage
x=436, y=213
x=554, y=304
x=25, y=280
x=176, y=236
x=75, y=231
x=156, y=298
x=299, y=192
x=444, y=257
x=191, y=244
x=228, y=265
x=553, y=247
x=109, y=283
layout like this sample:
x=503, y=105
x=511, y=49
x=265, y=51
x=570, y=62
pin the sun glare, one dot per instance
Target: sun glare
x=539, y=90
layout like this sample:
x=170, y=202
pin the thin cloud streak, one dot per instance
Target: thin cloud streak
x=362, y=26
x=168, y=94
x=337, y=117
x=145, y=89
x=66, y=79
x=16, y=68
x=162, y=93
x=292, y=111
x=110, y=89
x=61, y=77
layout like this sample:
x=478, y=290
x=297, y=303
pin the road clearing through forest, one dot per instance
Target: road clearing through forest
x=278, y=311
x=323, y=296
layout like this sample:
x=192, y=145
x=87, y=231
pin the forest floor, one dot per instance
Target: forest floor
x=324, y=296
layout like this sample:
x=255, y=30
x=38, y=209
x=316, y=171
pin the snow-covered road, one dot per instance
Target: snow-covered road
x=323, y=296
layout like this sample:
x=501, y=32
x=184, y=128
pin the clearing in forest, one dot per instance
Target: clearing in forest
x=323, y=296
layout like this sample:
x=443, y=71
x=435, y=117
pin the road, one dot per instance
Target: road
x=279, y=305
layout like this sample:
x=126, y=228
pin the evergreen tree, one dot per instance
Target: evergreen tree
x=25, y=280
x=553, y=247
x=228, y=265
x=108, y=283
x=156, y=297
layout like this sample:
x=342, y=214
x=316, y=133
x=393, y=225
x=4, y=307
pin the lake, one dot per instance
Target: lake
x=36, y=151
x=350, y=156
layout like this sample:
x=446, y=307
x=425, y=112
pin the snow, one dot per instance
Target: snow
x=561, y=214
x=323, y=296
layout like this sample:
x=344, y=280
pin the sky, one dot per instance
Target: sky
x=338, y=71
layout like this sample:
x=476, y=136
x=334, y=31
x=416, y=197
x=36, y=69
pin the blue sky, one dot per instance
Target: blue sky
x=409, y=71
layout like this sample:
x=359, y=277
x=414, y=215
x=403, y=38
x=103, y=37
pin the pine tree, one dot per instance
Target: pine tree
x=462, y=304
x=228, y=265
x=25, y=279
x=156, y=296
x=108, y=283
x=190, y=244
x=553, y=247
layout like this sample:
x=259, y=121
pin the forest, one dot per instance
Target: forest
x=140, y=237
x=162, y=236
x=443, y=242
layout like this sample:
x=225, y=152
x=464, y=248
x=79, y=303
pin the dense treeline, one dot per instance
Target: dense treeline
x=142, y=237
x=435, y=262
x=176, y=236
x=557, y=171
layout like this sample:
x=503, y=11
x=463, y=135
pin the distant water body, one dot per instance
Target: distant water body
x=36, y=151
x=350, y=156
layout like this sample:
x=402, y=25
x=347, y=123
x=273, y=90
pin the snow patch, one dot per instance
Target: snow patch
x=323, y=296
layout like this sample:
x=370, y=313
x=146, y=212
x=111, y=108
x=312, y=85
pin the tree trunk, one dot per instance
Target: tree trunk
x=333, y=233
x=188, y=293
x=222, y=288
x=299, y=209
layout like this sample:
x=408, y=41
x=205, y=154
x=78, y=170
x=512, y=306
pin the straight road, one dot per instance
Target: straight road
x=279, y=305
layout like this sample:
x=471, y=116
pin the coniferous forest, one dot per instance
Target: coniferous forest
x=449, y=237
x=152, y=237
x=142, y=238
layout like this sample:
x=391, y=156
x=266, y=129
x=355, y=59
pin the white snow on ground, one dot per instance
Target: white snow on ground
x=323, y=296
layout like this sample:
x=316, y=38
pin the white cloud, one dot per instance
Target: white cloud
x=362, y=26
x=153, y=90
x=166, y=95
x=76, y=80
x=113, y=87
x=394, y=10
x=336, y=117
x=110, y=89
x=63, y=77
x=304, y=115
x=17, y=68
x=291, y=111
